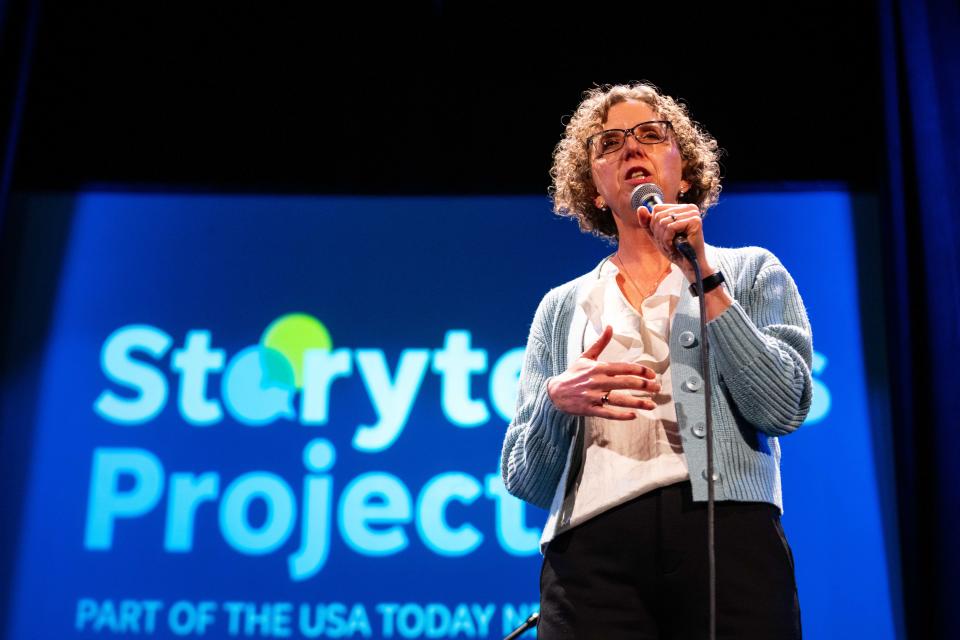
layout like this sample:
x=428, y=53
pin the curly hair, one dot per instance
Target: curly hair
x=573, y=191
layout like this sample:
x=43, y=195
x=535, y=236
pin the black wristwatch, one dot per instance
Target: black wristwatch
x=710, y=283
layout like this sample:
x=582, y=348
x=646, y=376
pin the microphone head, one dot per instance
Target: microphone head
x=646, y=195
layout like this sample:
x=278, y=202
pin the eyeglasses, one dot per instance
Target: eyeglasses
x=612, y=140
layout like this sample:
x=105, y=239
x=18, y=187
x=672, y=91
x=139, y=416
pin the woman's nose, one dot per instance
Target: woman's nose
x=632, y=145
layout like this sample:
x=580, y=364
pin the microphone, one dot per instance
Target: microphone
x=649, y=195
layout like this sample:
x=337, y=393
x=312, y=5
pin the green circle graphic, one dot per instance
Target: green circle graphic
x=291, y=335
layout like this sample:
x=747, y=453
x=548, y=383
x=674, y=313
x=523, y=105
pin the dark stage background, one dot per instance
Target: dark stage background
x=458, y=99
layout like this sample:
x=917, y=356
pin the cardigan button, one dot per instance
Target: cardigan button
x=693, y=383
x=700, y=429
x=716, y=475
x=687, y=339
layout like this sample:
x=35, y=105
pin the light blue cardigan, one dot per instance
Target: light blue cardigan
x=760, y=350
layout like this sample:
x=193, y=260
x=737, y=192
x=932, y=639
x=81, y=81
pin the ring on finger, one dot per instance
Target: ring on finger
x=673, y=217
x=605, y=399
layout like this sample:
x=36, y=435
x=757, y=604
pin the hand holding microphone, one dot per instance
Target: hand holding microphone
x=676, y=228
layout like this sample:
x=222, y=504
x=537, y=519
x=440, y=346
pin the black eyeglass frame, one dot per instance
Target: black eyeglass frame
x=632, y=131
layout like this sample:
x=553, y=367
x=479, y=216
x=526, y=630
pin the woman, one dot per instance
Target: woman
x=609, y=430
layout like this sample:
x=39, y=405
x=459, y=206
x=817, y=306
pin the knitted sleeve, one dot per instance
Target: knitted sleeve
x=538, y=438
x=763, y=347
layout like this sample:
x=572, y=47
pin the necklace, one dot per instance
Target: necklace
x=643, y=294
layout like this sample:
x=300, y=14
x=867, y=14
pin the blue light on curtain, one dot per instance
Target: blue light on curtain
x=921, y=51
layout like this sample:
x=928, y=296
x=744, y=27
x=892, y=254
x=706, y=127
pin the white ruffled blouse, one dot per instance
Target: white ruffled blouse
x=625, y=459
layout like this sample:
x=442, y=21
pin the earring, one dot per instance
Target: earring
x=600, y=204
x=682, y=193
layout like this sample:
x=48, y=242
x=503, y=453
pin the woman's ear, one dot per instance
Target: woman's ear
x=600, y=203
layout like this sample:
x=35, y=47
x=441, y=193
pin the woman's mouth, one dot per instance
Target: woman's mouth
x=637, y=175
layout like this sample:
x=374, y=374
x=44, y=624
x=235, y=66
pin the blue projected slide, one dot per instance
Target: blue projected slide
x=265, y=416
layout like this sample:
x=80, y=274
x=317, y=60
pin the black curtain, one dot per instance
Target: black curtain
x=921, y=51
x=18, y=21
x=18, y=27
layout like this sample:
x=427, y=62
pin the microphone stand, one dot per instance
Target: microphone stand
x=528, y=624
x=684, y=248
x=648, y=195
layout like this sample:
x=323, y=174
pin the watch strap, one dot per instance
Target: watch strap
x=710, y=283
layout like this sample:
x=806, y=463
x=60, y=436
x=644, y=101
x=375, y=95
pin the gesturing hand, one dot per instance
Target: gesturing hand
x=592, y=388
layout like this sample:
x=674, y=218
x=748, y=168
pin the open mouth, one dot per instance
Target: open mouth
x=637, y=174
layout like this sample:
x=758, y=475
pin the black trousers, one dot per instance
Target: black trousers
x=640, y=571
